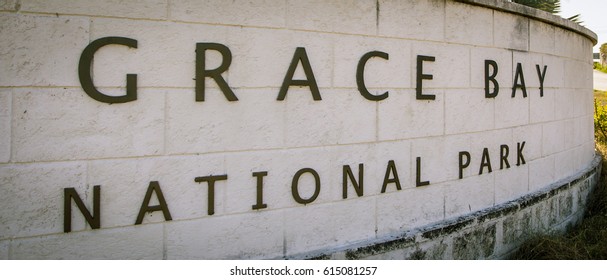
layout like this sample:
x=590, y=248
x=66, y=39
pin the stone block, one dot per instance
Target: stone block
x=256, y=235
x=165, y=55
x=544, y=173
x=41, y=50
x=123, y=194
x=9, y=5
x=32, y=197
x=543, y=108
x=342, y=117
x=66, y=124
x=450, y=68
x=351, y=16
x=318, y=226
x=282, y=166
x=553, y=137
x=4, y=249
x=511, y=31
x=532, y=136
x=261, y=57
x=255, y=121
x=380, y=75
x=545, y=215
x=568, y=129
x=503, y=59
x=402, y=116
x=541, y=37
x=583, y=130
x=587, y=155
x=148, y=9
x=511, y=183
x=570, y=45
x=565, y=202
x=512, y=112
x=528, y=63
x=575, y=74
x=388, y=255
x=516, y=229
x=244, y=13
x=440, y=157
x=555, y=71
x=408, y=209
x=468, y=111
x=563, y=164
x=476, y=244
x=374, y=158
x=437, y=250
x=401, y=153
x=583, y=102
x=5, y=125
x=564, y=103
x=469, y=195
x=468, y=24
x=140, y=242
x=425, y=19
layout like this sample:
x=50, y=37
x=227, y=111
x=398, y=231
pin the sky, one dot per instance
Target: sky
x=593, y=16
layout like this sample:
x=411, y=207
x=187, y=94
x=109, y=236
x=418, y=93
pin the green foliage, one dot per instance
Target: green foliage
x=551, y=6
x=600, y=121
x=599, y=67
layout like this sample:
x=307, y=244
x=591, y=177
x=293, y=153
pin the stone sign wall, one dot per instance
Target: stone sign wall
x=178, y=129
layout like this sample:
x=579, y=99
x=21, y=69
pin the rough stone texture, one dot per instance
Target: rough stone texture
x=44, y=117
x=4, y=249
x=459, y=18
x=9, y=5
x=381, y=75
x=213, y=238
x=32, y=197
x=541, y=37
x=240, y=12
x=401, y=116
x=146, y=9
x=426, y=19
x=402, y=211
x=41, y=50
x=477, y=244
x=510, y=31
x=140, y=242
x=479, y=115
x=5, y=125
x=350, y=16
x=53, y=136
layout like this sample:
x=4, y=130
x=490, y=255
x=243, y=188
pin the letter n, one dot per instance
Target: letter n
x=358, y=186
x=94, y=220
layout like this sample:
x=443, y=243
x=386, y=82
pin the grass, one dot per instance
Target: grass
x=601, y=96
x=587, y=241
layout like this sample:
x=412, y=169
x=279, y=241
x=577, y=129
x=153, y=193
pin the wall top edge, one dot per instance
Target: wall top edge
x=509, y=7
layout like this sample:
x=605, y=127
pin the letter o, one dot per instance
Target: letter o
x=295, y=190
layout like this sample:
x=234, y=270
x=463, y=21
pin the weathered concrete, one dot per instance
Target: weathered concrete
x=492, y=233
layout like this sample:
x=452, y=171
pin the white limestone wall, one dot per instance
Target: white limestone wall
x=54, y=136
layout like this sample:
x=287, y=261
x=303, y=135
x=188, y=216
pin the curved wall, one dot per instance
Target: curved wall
x=286, y=129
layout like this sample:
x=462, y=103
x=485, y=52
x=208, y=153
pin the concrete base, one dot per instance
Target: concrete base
x=493, y=233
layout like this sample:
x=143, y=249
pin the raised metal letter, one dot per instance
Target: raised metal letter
x=84, y=71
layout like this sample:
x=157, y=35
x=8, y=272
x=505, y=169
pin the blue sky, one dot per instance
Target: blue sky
x=593, y=14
